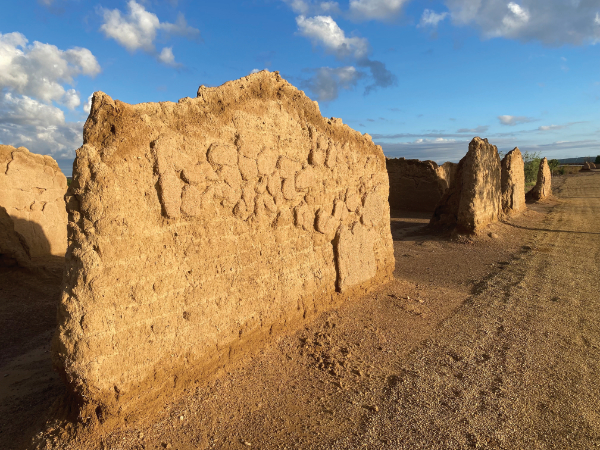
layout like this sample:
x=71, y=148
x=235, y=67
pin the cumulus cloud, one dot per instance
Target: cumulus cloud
x=38, y=126
x=325, y=31
x=40, y=70
x=514, y=120
x=88, y=104
x=326, y=81
x=431, y=18
x=552, y=22
x=137, y=30
x=34, y=79
x=375, y=9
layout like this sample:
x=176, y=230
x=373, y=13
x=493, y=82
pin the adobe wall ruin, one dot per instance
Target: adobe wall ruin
x=474, y=198
x=543, y=187
x=513, y=182
x=587, y=166
x=12, y=251
x=32, y=189
x=199, y=229
x=417, y=185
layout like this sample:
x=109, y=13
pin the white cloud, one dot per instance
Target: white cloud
x=327, y=81
x=137, y=30
x=38, y=126
x=431, y=18
x=552, y=22
x=325, y=31
x=375, y=9
x=514, y=120
x=166, y=57
x=88, y=104
x=40, y=70
x=309, y=7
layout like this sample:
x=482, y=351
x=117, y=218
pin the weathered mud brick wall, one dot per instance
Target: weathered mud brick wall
x=543, y=187
x=474, y=198
x=417, y=185
x=198, y=229
x=513, y=182
x=32, y=190
x=12, y=250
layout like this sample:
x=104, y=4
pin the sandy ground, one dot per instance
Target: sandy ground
x=489, y=342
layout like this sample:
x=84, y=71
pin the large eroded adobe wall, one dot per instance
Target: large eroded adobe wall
x=417, y=185
x=199, y=226
x=32, y=190
x=475, y=197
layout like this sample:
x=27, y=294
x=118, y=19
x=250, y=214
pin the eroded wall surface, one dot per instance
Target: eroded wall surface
x=474, y=198
x=513, y=182
x=32, y=189
x=543, y=186
x=199, y=229
x=417, y=185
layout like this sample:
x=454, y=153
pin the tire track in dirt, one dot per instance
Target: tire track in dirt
x=517, y=365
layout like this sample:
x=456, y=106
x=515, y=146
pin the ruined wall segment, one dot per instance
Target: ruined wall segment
x=543, y=187
x=417, y=185
x=12, y=249
x=513, y=182
x=199, y=229
x=474, y=198
x=32, y=189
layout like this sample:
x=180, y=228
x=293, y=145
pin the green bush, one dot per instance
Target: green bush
x=532, y=166
x=597, y=161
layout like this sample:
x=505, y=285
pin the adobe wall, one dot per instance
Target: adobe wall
x=417, y=185
x=12, y=251
x=474, y=198
x=543, y=186
x=513, y=182
x=202, y=228
x=32, y=189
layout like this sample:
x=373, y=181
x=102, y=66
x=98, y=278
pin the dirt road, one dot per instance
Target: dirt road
x=492, y=342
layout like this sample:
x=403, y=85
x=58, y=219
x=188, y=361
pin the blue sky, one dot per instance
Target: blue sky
x=420, y=76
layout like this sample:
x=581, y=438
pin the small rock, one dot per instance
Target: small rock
x=493, y=235
x=180, y=417
x=246, y=443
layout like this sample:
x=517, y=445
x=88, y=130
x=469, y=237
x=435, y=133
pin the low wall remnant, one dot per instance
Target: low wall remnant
x=418, y=185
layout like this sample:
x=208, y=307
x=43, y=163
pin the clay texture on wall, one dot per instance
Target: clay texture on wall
x=513, y=182
x=543, y=187
x=200, y=228
x=474, y=198
x=32, y=190
x=417, y=185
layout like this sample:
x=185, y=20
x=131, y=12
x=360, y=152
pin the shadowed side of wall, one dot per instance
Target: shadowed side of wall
x=417, y=185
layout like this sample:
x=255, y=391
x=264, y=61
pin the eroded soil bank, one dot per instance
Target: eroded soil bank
x=492, y=342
